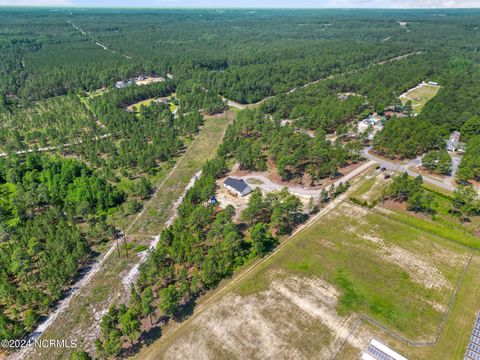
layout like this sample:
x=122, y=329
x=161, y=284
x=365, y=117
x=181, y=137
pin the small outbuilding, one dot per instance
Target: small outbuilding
x=237, y=186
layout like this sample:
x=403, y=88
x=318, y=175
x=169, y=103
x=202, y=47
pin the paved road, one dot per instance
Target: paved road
x=404, y=167
x=268, y=185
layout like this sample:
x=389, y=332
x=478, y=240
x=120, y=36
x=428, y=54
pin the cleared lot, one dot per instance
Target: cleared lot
x=309, y=299
x=419, y=96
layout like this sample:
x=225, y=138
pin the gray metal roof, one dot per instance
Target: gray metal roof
x=237, y=184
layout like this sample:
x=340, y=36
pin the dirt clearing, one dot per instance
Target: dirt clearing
x=249, y=326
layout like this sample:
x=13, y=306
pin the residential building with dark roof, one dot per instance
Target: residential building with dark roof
x=237, y=186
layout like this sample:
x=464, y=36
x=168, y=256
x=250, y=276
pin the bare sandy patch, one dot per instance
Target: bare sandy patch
x=295, y=318
x=225, y=198
x=384, y=210
x=353, y=211
x=149, y=80
x=419, y=269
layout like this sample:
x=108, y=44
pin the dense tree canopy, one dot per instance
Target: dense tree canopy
x=255, y=138
x=42, y=246
x=469, y=168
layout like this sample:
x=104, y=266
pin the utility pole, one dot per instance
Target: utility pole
x=118, y=247
x=125, y=242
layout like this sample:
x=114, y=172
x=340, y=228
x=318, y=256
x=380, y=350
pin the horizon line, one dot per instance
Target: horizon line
x=229, y=8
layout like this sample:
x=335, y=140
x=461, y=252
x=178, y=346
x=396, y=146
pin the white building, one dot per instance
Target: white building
x=454, y=144
x=237, y=186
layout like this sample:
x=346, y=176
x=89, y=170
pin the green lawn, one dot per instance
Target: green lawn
x=442, y=224
x=136, y=107
x=363, y=259
x=453, y=339
x=371, y=188
x=365, y=186
x=420, y=97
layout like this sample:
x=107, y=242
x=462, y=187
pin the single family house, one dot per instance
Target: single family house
x=237, y=186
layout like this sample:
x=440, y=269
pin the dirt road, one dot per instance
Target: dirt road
x=53, y=148
x=95, y=269
x=267, y=185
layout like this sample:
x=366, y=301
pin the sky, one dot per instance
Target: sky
x=253, y=3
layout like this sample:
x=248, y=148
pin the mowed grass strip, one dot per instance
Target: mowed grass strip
x=372, y=187
x=157, y=210
x=360, y=253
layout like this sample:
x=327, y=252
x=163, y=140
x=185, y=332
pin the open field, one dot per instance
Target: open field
x=419, y=96
x=149, y=80
x=136, y=107
x=81, y=320
x=303, y=301
x=442, y=223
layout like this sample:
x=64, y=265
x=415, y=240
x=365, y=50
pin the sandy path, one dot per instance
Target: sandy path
x=104, y=47
x=96, y=267
x=53, y=148
x=132, y=275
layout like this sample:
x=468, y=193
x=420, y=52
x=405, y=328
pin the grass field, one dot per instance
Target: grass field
x=147, y=102
x=81, y=320
x=384, y=268
x=304, y=301
x=443, y=223
x=419, y=96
